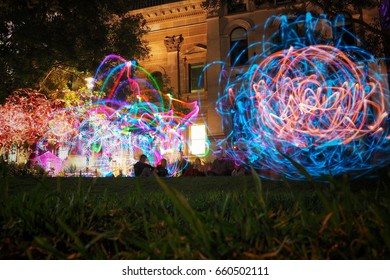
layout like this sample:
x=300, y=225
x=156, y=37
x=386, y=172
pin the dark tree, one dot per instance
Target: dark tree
x=36, y=35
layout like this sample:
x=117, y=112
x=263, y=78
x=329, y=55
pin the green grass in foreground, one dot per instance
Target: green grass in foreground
x=192, y=218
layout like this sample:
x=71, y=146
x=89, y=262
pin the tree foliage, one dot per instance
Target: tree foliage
x=23, y=117
x=36, y=35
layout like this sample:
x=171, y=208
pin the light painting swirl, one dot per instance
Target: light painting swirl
x=318, y=102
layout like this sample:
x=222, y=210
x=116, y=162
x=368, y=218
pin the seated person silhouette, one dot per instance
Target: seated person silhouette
x=198, y=169
x=219, y=166
x=239, y=170
x=142, y=169
x=161, y=168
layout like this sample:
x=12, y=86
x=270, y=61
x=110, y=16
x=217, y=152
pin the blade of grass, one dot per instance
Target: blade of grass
x=259, y=189
x=182, y=205
x=47, y=246
x=79, y=245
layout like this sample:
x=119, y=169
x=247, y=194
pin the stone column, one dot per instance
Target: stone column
x=173, y=45
x=214, y=120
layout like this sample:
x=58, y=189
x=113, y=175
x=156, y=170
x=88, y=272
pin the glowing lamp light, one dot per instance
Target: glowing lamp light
x=63, y=153
x=198, y=139
x=90, y=82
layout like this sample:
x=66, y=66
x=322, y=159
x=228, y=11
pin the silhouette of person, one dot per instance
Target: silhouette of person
x=142, y=169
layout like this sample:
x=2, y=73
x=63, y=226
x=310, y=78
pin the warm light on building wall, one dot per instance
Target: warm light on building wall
x=90, y=82
x=198, y=139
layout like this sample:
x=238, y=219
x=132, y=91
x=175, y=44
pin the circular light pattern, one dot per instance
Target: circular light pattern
x=317, y=97
x=24, y=117
x=323, y=106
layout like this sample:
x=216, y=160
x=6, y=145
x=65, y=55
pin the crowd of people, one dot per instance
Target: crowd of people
x=144, y=169
x=219, y=167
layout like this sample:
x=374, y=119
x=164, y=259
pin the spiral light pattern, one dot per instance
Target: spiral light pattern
x=321, y=106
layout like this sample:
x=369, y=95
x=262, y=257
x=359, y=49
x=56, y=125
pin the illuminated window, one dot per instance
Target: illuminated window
x=238, y=47
x=196, y=79
x=198, y=139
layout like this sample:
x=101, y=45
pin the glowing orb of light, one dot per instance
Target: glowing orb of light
x=322, y=106
x=316, y=97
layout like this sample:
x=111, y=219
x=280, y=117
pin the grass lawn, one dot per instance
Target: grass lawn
x=193, y=218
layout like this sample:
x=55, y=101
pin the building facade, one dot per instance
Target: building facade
x=184, y=37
